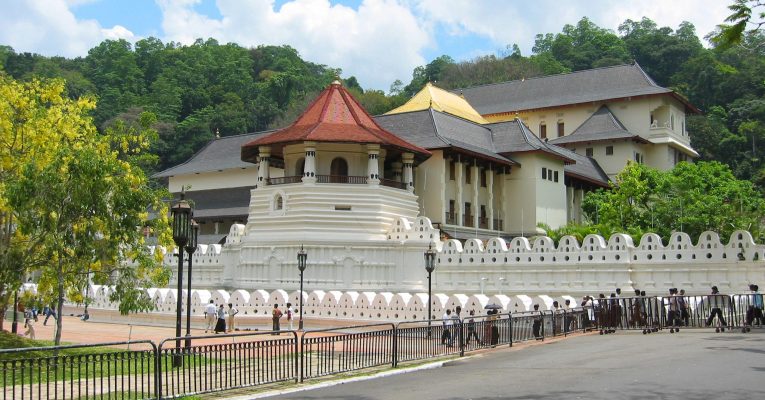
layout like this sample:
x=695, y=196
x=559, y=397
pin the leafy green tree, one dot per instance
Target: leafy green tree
x=82, y=197
x=431, y=72
x=691, y=198
x=583, y=46
x=746, y=14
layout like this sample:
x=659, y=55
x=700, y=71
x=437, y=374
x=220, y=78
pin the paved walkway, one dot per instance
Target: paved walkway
x=694, y=364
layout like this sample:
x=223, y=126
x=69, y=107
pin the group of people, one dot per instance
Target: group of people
x=216, y=318
x=31, y=315
x=452, y=322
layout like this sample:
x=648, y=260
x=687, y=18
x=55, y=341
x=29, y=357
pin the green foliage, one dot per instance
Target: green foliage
x=583, y=46
x=746, y=13
x=691, y=198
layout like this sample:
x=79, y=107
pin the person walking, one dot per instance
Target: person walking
x=673, y=316
x=49, y=312
x=232, y=311
x=471, y=333
x=290, y=314
x=456, y=326
x=754, y=311
x=716, y=302
x=210, y=316
x=220, y=325
x=276, y=314
x=29, y=323
x=536, y=327
x=446, y=322
x=682, y=302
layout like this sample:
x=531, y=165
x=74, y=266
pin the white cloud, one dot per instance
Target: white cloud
x=514, y=22
x=50, y=28
x=379, y=42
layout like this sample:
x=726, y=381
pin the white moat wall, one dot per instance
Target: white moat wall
x=388, y=280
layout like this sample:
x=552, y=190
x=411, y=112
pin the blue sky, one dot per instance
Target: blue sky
x=378, y=41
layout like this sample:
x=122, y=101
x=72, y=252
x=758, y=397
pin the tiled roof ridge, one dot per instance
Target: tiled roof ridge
x=561, y=74
x=431, y=112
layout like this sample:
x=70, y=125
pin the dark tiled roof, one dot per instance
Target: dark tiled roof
x=515, y=137
x=228, y=202
x=585, y=168
x=218, y=154
x=602, y=125
x=556, y=90
x=334, y=116
x=434, y=130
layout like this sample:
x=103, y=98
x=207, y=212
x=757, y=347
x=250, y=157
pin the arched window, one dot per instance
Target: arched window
x=278, y=202
x=300, y=167
x=338, y=170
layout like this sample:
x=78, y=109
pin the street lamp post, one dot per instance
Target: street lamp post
x=430, y=266
x=15, y=324
x=181, y=213
x=191, y=247
x=302, y=256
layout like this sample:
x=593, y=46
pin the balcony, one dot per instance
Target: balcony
x=285, y=180
x=351, y=180
x=450, y=218
x=392, y=183
x=468, y=221
x=483, y=223
x=498, y=225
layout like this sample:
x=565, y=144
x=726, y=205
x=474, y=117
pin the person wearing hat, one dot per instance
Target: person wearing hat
x=716, y=301
x=536, y=327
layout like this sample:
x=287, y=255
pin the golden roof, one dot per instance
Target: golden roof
x=440, y=100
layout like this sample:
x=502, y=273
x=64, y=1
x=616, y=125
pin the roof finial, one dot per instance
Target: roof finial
x=337, y=81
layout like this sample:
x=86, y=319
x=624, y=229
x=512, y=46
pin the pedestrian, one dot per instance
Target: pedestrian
x=617, y=309
x=754, y=311
x=29, y=323
x=220, y=325
x=446, y=323
x=673, y=316
x=537, y=325
x=717, y=301
x=568, y=316
x=290, y=314
x=494, y=328
x=232, y=311
x=682, y=302
x=456, y=326
x=471, y=329
x=210, y=316
x=49, y=312
x=558, y=317
x=276, y=314
x=589, y=311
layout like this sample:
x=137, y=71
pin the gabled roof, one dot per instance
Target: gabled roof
x=602, y=125
x=515, y=137
x=440, y=100
x=334, y=116
x=585, y=168
x=218, y=154
x=608, y=83
x=437, y=130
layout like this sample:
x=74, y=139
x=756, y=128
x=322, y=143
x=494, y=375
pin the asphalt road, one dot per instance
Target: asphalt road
x=697, y=364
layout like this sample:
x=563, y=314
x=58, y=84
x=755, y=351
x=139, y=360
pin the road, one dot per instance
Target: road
x=697, y=364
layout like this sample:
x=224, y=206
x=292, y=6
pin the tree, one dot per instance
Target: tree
x=83, y=198
x=746, y=14
x=583, y=46
x=691, y=198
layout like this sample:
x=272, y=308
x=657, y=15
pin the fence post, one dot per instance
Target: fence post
x=302, y=353
x=510, y=317
x=395, y=345
x=157, y=370
x=298, y=358
x=462, y=342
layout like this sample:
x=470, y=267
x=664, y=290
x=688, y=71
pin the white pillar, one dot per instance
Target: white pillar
x=408, y=160
x=373, y=171
x=475, y=171
x=264, y=154
x=570, y=204
x=397, y=168
x=490, y=196
x=309, y=169
x=459, y=180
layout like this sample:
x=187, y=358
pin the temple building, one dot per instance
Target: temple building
x=495, y=160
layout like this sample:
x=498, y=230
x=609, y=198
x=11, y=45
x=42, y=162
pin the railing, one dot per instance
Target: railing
x=250, y=359
x=80, y=371
x=355, y=180
x=450, y=218
x=333, y=351
x=392, y=183
x=468, y=221
x=483, y=223
x=146, y=371
x=285, y=180
x=498, y=224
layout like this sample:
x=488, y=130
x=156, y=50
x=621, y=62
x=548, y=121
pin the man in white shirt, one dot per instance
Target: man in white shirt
x=290, y=314
x=232, y=311
x=446, y=321
x=210, y=316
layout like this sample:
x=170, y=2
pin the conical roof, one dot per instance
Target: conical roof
x=440, y=100
x=335, y=116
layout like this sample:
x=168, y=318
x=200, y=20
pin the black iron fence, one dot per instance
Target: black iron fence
x=205, y=364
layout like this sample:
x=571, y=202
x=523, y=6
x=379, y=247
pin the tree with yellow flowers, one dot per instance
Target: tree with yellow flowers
x=73, y=201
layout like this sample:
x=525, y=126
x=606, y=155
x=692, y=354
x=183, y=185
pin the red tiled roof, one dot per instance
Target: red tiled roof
x=335, y=116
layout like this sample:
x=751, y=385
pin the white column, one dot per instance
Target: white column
x=408, y=161
x=490, y=196
x=475, y=171
x=309, y=169
x=397, y=168
x=264, y=153
x=570, y=204
x=373, y=171
x=459, y=181
x=578, y=200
